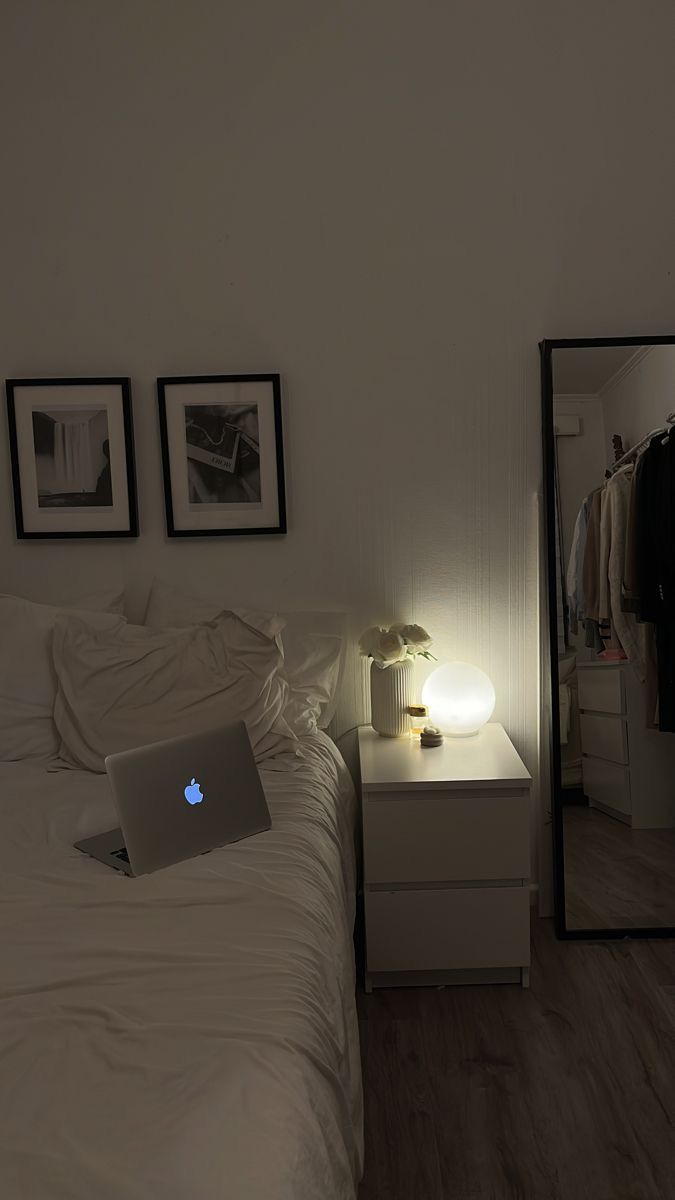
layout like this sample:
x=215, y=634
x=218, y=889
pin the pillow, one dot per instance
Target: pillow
x=312, y=668
x=313, y=645
x=109, y=600
x=127, y=685
x=27, y=679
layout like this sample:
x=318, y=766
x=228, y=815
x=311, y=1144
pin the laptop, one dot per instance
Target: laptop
x=180, y=798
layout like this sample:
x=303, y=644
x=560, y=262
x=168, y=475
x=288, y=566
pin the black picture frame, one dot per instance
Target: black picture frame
x=268, y=499
x=45, y=525
x=546, y=348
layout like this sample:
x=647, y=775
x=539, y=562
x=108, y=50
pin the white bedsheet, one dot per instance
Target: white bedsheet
x=190, y=1033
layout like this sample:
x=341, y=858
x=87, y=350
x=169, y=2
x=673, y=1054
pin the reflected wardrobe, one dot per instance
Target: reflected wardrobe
x=609, y=444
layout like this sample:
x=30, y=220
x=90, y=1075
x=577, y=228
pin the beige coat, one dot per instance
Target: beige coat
x=591, y=567
x=613, y=527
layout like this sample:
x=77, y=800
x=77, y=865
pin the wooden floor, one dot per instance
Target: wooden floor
x=565, y=1091
x=615, y=876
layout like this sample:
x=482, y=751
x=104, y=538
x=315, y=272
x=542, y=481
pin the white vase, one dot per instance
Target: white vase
x=391, y=691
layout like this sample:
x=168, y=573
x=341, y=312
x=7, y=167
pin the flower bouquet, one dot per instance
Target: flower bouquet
x=395, y=644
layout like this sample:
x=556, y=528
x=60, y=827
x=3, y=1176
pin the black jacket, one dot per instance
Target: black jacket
x=655, y=519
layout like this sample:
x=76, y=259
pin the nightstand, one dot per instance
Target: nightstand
x=446, y=849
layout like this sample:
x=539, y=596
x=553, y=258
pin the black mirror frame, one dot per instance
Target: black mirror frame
x=546, y=348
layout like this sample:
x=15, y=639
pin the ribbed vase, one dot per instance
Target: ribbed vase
x=391, y=691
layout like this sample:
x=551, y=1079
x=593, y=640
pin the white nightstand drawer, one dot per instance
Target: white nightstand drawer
x=604, y=737
x=436, y=838
x=451, y=929
x=607, y=783
x=601, y=689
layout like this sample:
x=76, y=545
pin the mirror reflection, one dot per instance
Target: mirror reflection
x=615, y=582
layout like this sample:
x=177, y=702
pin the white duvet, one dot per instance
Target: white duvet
x=188, y=1034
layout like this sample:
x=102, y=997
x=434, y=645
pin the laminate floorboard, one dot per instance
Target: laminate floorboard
x=563, y=1091
x=616, y=876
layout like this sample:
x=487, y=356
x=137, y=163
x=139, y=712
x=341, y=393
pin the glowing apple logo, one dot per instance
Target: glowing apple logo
x=193, y=793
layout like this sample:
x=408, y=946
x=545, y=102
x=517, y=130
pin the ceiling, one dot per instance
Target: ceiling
x=583, y=370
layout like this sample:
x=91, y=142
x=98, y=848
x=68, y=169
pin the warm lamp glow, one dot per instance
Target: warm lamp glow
x=460, y=697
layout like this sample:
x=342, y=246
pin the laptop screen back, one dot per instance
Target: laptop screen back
x=182, y=797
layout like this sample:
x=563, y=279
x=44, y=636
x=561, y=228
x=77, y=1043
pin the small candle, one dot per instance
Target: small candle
x=419, y=715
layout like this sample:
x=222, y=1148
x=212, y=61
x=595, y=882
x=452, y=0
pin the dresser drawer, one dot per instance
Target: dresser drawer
x=601, y=690
x=433, y=839
x=607, y=783
x=455, y=928
x=604, y=737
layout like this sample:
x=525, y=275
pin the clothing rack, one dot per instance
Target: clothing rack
x=630, y=454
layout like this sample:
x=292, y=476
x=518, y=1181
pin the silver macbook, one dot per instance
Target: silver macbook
x=180, y=798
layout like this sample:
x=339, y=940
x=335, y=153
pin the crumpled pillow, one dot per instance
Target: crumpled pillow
x=128, y=685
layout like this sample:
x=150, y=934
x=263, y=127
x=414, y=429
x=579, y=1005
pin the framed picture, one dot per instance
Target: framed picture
x=72, y=451
x=222, y=454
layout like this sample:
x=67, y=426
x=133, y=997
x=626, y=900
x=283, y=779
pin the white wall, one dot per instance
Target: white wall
x=581, y=458
x=641, y=400
x=390, y=203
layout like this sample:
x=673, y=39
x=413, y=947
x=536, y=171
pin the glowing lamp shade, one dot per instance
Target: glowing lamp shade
x=460, y=698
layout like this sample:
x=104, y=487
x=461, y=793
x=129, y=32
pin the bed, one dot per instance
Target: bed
x=190, y=1033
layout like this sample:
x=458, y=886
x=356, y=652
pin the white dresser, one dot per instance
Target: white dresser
x=628, y=770
x=446, y=843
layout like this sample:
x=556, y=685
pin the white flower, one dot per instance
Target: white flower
x=389, y=649
x=417, y=638
x=369, y=639
x=387, y=646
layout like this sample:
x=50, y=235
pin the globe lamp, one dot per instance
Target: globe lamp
x=460, y=698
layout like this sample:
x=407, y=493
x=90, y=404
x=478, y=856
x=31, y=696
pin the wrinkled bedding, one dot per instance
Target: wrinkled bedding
x=190, y=1033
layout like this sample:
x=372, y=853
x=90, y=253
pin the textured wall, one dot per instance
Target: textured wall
x=389, y=203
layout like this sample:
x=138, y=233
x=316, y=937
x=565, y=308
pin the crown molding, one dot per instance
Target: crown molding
x=630, y=365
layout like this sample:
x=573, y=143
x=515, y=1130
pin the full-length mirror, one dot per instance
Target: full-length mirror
x=609, y=429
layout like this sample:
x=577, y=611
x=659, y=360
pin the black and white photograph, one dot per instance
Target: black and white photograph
x=71, y=445
x=72, y=458
x=222, y=454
